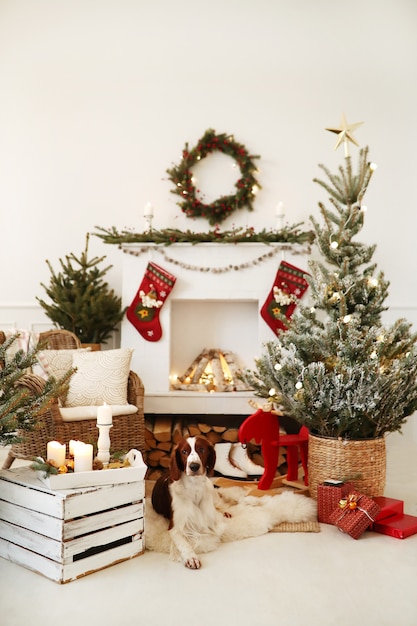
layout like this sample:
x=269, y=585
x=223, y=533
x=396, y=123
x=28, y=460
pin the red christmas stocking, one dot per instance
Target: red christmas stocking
x=154, y=289
x=289, y=286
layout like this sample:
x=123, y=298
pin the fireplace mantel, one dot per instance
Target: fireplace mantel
x=208, y=308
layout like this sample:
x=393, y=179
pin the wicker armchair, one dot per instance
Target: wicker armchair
x=128, y=431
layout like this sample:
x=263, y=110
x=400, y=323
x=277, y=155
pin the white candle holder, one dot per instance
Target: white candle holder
x=103, y=443
x=148, y=219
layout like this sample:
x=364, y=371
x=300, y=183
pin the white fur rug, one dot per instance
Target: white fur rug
x=251, y=516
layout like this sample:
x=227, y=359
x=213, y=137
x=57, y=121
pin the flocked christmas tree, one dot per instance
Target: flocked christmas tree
x=337, y=369
x=82, y=301
x=23, y=397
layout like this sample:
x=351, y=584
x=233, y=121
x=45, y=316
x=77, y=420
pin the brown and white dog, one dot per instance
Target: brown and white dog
x=186, y=497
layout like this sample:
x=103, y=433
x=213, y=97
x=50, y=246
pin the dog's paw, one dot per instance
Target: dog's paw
x=193, y=563
x=227, y=514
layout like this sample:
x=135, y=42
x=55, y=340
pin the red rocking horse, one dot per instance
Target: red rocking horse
x=263, y=427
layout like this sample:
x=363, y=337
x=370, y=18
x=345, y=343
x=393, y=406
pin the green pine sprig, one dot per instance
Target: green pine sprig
x=168, y=236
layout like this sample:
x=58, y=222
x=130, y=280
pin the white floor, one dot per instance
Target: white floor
x=299, y=579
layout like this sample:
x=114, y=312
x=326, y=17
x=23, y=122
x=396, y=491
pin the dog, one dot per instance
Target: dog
x=187, y=498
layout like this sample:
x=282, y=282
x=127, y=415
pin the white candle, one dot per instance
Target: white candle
x=55, y=452
x=280, y=214
x=72, y=445
x=83, y=458
x=148, y=210
x=280, y=210
x=104, y=415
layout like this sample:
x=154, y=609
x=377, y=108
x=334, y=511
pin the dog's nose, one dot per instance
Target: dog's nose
x=194, y=467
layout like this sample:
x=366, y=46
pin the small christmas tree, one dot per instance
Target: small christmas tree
x=23, y=397
x=337, y=369
x=82, y=301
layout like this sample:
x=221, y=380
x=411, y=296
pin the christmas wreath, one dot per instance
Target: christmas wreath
x=182, y=177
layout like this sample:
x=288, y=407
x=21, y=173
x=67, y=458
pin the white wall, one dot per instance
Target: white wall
x=99, y=96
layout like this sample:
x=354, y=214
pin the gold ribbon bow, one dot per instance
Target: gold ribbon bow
x=351, y=504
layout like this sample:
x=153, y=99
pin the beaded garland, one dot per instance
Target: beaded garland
x=182, y=177
x=213, y=270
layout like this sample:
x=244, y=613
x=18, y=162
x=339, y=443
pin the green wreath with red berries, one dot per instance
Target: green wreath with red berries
x=182, y=177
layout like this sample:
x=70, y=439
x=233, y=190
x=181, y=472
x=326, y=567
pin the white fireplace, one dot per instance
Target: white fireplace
x=206, y=309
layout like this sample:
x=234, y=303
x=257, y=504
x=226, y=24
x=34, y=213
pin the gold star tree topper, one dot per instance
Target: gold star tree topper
x=345, y=134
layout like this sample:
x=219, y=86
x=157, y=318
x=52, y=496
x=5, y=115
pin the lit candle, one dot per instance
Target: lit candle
x=72, y=445
x=55, y=452
x=104, y=415
x=280, y=214
x=83, y=457
x=148, y=210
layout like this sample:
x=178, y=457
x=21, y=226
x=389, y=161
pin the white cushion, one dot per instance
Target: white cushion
x=101, y=377
x=79, y=413
x=56, y=362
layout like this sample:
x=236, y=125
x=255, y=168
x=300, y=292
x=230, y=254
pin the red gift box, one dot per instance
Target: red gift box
x=329, y=495
x=398, y=526
x=354, y=514
x=389, y=507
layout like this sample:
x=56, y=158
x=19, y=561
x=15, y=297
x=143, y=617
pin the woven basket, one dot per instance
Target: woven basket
x=361, y=461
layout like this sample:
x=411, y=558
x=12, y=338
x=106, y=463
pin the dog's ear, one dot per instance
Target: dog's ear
x=177, y=463
x=211, y=459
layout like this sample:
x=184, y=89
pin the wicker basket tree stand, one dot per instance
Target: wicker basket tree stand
x=363, y=461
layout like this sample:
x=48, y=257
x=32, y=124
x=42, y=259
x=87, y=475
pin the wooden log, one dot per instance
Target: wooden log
x=194, y=430
x=234, y=368
x=150, y=443
x=213, y=437
x=166, y=446
x=204, y=428
x=201, y=366
x=231, y=434
x=219, y=429
x=177, y=432
x=165, y=462
x=152, y=463
x=188, y=373
x=154, y=456
x=148, y=434
x=162, y=428
x=218, y=374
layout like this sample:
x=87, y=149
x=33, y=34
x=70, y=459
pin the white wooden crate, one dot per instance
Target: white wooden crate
x=66, y=534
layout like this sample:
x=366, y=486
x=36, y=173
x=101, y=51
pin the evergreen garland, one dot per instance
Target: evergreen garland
x=182, y=177
x=169, y=236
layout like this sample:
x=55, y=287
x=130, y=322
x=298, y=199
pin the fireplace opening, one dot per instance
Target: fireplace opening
x=229, y=328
